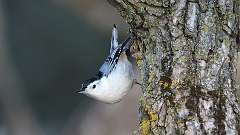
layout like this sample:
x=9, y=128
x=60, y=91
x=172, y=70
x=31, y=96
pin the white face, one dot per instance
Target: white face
x=91, y=88
x=95, y=91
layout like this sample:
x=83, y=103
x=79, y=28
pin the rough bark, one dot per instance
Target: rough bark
x=187, y=57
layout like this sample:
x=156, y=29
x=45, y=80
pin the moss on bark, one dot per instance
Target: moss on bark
x=188, y=56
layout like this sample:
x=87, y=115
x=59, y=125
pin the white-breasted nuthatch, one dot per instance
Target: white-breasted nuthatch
x=115, y=77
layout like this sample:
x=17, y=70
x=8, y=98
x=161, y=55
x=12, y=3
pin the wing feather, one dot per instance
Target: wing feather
x=111, y=62
x=115, y=52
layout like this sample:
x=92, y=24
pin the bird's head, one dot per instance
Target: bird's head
x=89, y=87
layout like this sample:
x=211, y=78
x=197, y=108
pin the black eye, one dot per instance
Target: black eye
x=94, y=86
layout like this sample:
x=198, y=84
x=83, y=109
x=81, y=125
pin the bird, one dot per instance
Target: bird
x=115, y=77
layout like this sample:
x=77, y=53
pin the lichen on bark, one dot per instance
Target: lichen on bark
x=188, y=57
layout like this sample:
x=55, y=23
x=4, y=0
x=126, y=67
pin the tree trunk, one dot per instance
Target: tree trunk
x=188, y=57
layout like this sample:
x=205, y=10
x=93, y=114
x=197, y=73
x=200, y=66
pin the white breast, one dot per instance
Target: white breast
x=112, y=88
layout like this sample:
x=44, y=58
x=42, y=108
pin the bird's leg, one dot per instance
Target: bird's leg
x=136, y=82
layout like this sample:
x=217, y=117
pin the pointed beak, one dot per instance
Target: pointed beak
x=82, y=90
x=79, y=91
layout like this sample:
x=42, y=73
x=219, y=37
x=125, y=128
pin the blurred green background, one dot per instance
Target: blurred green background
x=48, y=47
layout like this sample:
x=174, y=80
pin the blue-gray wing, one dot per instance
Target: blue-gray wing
x=111, y=62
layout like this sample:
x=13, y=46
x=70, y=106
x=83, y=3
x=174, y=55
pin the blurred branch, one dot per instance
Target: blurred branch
x=18, y=116
x=99, y=14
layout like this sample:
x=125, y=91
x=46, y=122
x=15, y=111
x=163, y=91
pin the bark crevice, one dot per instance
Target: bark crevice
x=188, y=51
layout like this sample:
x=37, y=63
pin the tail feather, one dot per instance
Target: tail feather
x=114, y=39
